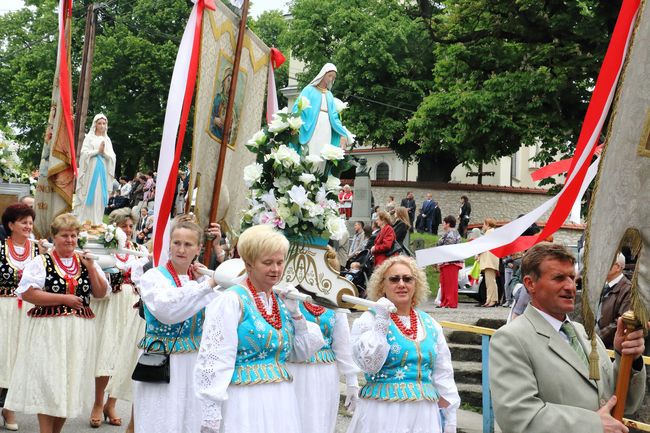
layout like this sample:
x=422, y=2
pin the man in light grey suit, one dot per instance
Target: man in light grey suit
x=539, y=375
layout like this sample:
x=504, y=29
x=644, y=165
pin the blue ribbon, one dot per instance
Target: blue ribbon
x=98, y=175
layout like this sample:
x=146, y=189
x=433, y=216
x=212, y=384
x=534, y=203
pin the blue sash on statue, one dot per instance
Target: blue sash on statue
x=99, y=175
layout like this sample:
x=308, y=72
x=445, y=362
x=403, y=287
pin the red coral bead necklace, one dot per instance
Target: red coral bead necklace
x=410, y=332
x=274, y=319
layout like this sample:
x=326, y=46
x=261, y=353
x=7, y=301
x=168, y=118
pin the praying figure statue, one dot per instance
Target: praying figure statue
x=96, y=173
x=321, y=122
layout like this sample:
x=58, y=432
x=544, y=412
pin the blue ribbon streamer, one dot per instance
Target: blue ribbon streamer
x=98, y=175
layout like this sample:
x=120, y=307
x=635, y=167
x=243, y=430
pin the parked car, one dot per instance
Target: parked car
x=467, y=287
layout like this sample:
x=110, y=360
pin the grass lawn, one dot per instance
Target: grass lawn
x=433, y=276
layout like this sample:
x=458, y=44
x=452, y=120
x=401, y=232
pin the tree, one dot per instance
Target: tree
x=135, y=50
x=271, y=27
x=458, y=80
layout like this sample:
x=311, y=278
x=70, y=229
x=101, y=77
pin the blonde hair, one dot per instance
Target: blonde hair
x=65, y=221
x=383, y=215
x=378, y=279
x=401, y=214
x=261, y=240
x=490, y=222
x=189, y=225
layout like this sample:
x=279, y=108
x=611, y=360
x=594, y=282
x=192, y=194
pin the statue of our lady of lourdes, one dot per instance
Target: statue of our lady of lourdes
x=96, y=173
x=321, y=122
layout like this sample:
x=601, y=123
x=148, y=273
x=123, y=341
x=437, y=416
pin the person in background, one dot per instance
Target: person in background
x=345, y=201
x=402, y=227
x=384, y=240
x=427, y=212
x=390, y=205
x=409, y=203
x=358, y=240
x=464, y=215
x=615, y=299
x=489, y=264
x=449, y=270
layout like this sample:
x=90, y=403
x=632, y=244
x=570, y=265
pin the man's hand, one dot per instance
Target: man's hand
x=610, y=425
x=628, y=343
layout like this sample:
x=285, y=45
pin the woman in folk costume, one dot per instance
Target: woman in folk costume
x=489, y=264
x=321, y=122
x=96, y=172
x=409, y=376
x=316, y=381
x=55, y=363
x=115, y=323
x=16, y=251
x=174, y=302
x=250, y=334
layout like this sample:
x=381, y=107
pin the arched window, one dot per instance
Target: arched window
x=382, y=171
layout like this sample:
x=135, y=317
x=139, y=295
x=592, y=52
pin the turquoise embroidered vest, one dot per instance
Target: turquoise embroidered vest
x=407, y=374
x=189, y=338
x=326, y=322
x=262, y=350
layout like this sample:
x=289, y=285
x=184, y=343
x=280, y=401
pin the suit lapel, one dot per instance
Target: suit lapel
x=557, y=344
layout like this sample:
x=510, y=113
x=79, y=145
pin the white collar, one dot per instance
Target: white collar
x=615, y=281
x=555, y=323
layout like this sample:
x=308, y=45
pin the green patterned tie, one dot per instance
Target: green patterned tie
x=570, y=332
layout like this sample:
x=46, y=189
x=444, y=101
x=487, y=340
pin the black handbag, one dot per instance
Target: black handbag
x=154, y=367
x=396, y=248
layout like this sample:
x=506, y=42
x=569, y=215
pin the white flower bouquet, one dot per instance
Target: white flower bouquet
x=289, y=189
x=10, y=164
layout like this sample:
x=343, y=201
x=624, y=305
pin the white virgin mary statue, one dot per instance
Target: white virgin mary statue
x=96, y=173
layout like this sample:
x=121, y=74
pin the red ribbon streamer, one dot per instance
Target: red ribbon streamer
x=605, y=83
x=64, y=81
x=555, y=168
x=168, y=194
x=277, y=58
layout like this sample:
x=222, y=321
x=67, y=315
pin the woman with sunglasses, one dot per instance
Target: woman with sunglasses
x=409, y=376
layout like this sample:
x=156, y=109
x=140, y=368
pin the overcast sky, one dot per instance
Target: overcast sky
x=257, y=7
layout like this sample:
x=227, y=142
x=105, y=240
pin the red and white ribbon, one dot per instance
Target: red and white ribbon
x=507, y=239
x=65, y=91
x=276, y=59
x=179, y=100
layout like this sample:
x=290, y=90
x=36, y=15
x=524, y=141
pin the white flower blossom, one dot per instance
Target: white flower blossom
x=258, y=138
x=314, y=209
x=332, y=153
x=282, y=183
x=252, y=173
x=303, y=103
x=332, y=183
x=298, y=195
x=307, y=178
x=314, y=159
x=295, y=122
x=340, y=105
x=336, y=227
x=278, y=125
x=121, y=237
x=286, y=156
x=269, y=199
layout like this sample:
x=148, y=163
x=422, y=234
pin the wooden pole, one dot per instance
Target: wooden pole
x=216, y=190
x=83, y=91
x=624, y=369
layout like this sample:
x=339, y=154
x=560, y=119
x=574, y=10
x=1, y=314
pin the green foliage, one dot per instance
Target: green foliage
x=271, y=27
x=136, y=46
x=458, y=80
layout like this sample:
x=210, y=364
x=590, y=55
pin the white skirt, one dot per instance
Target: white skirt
x=318, y=394
x=53, y=373
x=120, y=385
x=267, y=408
x=111, y=315
x=374, y=416
x=10, y=322
x=172, y=407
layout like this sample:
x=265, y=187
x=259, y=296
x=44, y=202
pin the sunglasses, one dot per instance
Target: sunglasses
x=406, y=278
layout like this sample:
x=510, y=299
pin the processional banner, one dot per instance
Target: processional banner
x=218, y=42
x=57, y=167
x=619, y=215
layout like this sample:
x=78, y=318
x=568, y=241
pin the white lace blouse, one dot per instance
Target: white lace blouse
x=370, y=349
x=216, y=361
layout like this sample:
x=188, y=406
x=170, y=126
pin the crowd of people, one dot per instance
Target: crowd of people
x=251, y=349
